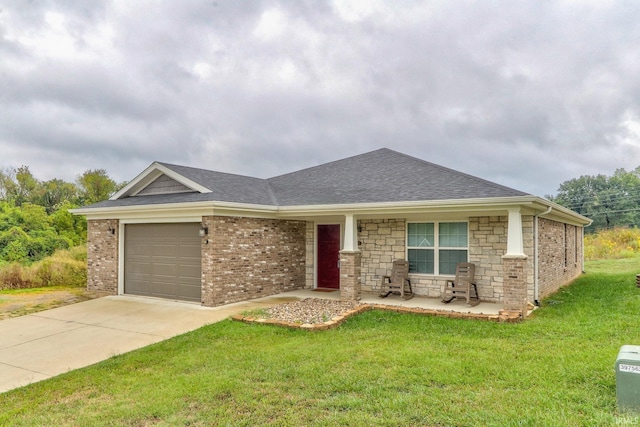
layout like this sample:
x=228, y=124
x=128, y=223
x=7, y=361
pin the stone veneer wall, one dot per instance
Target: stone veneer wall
x=381, y=241
x=560, y=255
x=487, y=245
x=102, y=256
x=248, y=258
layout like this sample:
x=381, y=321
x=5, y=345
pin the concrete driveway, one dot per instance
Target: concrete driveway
x=45, y=344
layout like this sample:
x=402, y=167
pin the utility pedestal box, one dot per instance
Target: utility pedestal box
x=628, y=378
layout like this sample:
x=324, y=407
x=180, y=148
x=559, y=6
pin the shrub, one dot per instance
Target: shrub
x=612, y=244
x=64, y=267
x=15, y=276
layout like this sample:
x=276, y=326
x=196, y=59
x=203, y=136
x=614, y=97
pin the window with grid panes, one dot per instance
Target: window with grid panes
x=436, y=247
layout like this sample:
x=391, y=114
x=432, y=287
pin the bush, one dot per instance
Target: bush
x=63, y=268
x=612, y=244
x=28, y=234
x=15, y=276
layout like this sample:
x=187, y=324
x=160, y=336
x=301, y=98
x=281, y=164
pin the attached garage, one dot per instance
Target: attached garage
x=163, y=260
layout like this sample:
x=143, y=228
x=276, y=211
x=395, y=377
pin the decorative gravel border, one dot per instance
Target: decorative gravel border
x=503, y=316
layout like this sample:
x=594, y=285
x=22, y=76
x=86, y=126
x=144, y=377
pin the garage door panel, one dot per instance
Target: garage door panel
x=189, y=271
x=163, y=260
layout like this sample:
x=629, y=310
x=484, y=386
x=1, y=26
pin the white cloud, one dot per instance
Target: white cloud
x=263, y=88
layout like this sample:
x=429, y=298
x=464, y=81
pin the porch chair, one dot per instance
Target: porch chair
x=398, y=282
x=462, y=285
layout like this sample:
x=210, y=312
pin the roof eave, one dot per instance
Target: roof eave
x=537, y=204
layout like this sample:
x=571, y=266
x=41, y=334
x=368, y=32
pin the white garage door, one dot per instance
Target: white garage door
x=163, y=260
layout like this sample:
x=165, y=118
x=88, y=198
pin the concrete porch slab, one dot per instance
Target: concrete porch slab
x=415, y=302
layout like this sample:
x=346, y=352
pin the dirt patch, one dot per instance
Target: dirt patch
x=19, y=303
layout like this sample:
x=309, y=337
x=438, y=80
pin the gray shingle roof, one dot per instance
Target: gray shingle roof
x=379, y=176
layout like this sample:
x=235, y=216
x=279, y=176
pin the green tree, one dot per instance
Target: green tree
x=610, y=201
x=53, y=193
x=19, y=185
x=95, y=185
x=28, y=234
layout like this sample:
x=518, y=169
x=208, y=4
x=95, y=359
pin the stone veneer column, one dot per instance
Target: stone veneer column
x=515, y=286
x=350, y=269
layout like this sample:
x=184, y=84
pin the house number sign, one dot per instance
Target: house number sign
x=629, y=368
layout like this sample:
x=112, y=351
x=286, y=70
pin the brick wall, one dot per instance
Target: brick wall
x=560, y=255
x=248, y=258
x=102, y=256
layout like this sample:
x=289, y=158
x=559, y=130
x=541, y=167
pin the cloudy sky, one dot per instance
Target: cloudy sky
x=524, y=93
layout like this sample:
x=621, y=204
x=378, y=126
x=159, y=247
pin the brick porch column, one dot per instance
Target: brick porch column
x=350, y=267
x=515, y=286
x=514, y=264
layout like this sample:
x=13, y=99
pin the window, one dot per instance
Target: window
x=431, y=252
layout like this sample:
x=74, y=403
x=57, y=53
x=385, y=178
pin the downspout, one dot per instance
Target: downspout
x=536, y=284
x=582, y=245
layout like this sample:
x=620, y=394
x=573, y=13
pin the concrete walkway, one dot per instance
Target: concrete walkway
x=45, y=344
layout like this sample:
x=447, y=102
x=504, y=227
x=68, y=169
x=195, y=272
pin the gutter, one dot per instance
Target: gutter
x=536, y=274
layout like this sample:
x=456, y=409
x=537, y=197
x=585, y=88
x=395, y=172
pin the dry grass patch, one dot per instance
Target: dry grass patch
x=15, y=303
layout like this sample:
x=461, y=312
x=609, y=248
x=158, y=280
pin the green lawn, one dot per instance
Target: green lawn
x=378, y=368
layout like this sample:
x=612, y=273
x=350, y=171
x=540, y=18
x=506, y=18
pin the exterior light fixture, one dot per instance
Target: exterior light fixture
x=203, y=231
x=111, y=230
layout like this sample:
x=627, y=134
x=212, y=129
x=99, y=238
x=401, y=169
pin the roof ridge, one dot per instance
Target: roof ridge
x=208, y=170
x=329, y=163
x=476, y=178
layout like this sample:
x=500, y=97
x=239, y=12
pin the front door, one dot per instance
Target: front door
x=328, y=271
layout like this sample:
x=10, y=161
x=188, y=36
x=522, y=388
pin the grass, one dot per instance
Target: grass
x=378, y=368
x=18, y=302
x=66, y=267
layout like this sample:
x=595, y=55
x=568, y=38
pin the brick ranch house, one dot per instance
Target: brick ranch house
x=215, y=238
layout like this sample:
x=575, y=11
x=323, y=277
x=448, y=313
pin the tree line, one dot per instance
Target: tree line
x=18, y=186
x=34, y=215
x=610, y=201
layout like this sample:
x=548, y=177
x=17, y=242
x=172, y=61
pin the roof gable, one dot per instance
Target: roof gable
x=154, y=172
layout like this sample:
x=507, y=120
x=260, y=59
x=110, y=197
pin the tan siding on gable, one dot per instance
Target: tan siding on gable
x=164, y=185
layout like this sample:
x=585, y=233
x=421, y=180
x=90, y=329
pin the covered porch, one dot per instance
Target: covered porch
x=495, y=243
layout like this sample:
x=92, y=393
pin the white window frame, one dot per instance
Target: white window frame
x=436, y=245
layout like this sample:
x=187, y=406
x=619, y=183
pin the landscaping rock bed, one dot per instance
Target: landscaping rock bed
x=311, y=310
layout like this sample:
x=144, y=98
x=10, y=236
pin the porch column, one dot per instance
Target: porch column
x=514, y=264
x=515, y=247
x=350, y=261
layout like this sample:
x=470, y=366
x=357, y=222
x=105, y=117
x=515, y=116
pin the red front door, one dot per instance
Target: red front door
x=328, y=256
